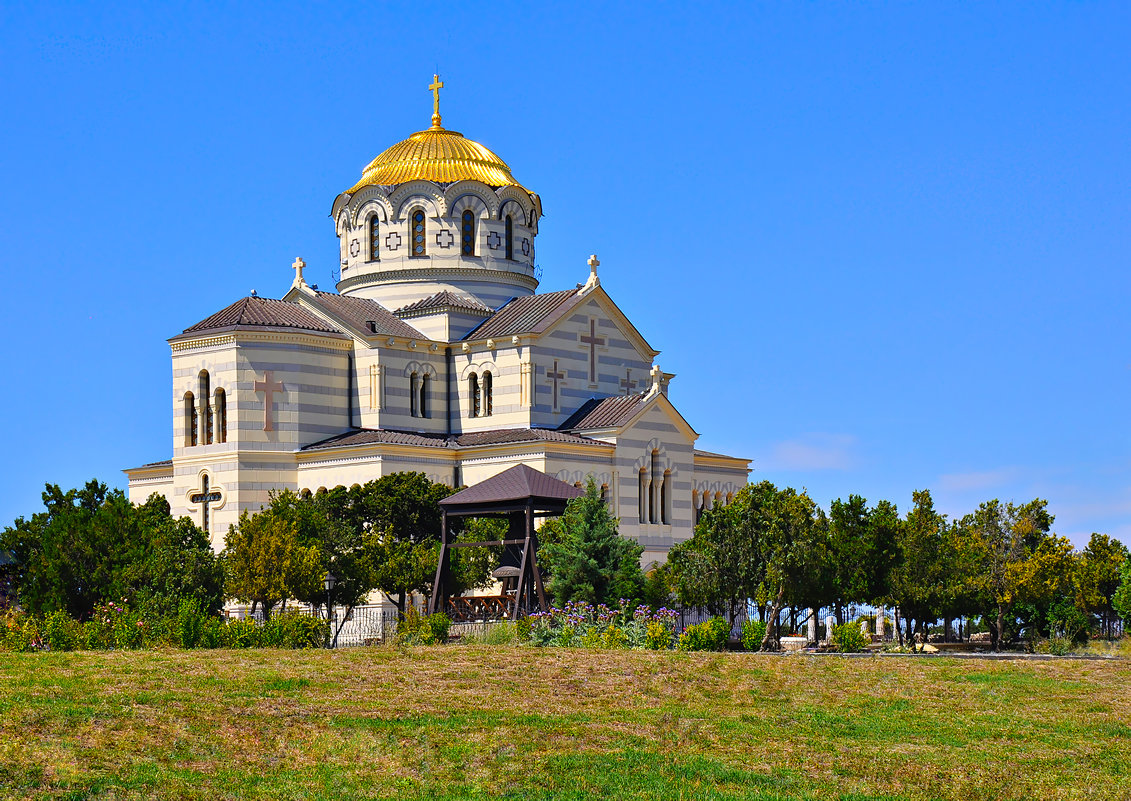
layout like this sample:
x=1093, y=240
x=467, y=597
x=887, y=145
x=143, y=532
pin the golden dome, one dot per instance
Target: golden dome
x=439, y=155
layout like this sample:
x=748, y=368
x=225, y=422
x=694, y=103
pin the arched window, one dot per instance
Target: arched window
x=374, y=238
x=425, y=380
x=695, y=510
x=467, y=233
x=641, y=494
x=473, y=395
x=510, y=237
x=221, y=416
x=414, y=394
x=654, y=488
x=488, y=382
x=190, y=420
x=206, y=400
x=416, y=232
x=666, y=498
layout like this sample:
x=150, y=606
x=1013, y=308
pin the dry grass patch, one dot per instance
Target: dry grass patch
x=493, y=722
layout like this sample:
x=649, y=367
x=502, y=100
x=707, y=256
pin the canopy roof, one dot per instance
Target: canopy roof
x=515, y=488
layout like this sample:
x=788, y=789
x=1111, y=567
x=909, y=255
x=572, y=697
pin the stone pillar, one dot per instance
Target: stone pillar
x=812, y=625
x=880, y=622
x=830, y=624
x=864, y=630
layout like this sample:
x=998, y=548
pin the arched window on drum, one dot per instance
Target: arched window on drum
x=374, y=238
x=467, y=233
x=417, y=233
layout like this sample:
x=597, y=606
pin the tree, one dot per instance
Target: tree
x=1006, y=535
x=593, y=562
x=1099, y=576
x=267, y=564
x=1121, y=598
x=92, y=545
x=919, y=576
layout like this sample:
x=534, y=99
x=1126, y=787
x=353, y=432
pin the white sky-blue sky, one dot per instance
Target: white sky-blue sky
x=883, y=247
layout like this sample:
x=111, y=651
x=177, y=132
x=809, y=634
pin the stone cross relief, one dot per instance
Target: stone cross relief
x=592, y=341
x=205, y=498
x=626, y=383
x=555, y=376
x=268, y=386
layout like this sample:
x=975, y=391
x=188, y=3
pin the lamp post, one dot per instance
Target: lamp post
x=328, y=583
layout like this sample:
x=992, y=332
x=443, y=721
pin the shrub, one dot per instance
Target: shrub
x=189, y=625
x=213, y=632
x=711, y=635
x=753, y=632
x=418, y=629
x=19, y=632
x=60, y=633
x=657, y=636
x=522, y=628
x=848, y=638
x=242, y=634
x=294, y=630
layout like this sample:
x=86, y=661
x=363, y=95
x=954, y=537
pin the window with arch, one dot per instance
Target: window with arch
x=695, y=510
x=374, y=238
x=416, y=232
x=221, y=415
x=510, y=237
x=666, y=498
x=473, y=398
x=206, y=405
x=467, y=233
x=414, y=394
x=654, y=488
x=190, y=420
x=641, y=494
x=488, y=383
x=425, y=380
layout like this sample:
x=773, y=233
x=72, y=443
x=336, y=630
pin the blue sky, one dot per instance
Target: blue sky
x=883, y=247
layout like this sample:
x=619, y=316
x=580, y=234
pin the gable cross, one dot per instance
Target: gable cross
x=592, y=341
x=268, y=386
x=205, y=498
x=555, y=377
x=435, y=87
x=626, y=383
x=298, y=265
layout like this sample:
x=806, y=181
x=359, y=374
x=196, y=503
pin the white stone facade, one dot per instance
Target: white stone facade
x=323, y=389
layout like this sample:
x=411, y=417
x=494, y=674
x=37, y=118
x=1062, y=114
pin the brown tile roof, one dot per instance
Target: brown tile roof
x=496, y=436
x=441, y=301
x=358, y=312
x=255, y=312
x=604, y=413
x=514, y=484
x=527, y=315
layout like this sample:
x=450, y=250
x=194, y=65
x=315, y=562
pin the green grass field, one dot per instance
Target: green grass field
x=481, y=722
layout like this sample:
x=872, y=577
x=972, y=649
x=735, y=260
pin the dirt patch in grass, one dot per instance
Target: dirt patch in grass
x=495, y=722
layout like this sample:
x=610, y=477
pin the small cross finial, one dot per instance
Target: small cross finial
x=593, y=279
x=657, y=380
x=297, y=266
x=436, y=86
x=593, y=264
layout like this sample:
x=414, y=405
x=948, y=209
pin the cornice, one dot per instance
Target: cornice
x=329, y=342
x=436, y=272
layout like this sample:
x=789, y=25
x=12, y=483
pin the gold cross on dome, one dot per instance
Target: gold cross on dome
x=436, y=86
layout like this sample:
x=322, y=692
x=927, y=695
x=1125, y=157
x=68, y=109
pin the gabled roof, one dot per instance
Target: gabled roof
x=471, y=439
x=359, y=312
x=443, y=301
x=604, y=413
x=255, y=312
x=530, y=314
x=517, y=483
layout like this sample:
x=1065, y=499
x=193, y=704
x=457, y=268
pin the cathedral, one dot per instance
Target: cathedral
x=436, y=354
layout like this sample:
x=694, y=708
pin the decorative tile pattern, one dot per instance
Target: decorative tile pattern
x=494, y=240
x=444, y=239
x=393, y=241
x=355, y=247
x=525, y=246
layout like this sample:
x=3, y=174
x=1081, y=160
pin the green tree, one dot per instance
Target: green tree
x=266, y=563
x=1121, y=598
x=1099, y=576
x=92, y=545
x=593, y=562
x=919, y=577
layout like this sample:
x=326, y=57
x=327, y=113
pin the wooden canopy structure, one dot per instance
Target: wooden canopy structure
x=518, y=494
